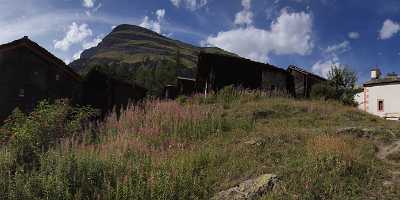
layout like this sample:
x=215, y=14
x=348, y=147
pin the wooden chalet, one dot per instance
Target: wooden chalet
x=170, y=92
x=184, y=86
x=303, y=81
x=102, y=91
x=29, y=73
x=215, y=71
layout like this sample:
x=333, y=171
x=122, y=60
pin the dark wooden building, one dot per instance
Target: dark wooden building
x=104, y=92
x=216, y=71
x=170, y=92
x=185, y=86
x=29, y=73
x=303, y=81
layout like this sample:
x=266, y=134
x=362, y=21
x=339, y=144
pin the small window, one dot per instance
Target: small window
x=21, y=93
x=380, y=106
x=57, y=77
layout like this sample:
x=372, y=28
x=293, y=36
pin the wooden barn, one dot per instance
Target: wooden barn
x=29, y=73
x=303, y=81
x=185, y=86
x=104, y=92
x=170, y=92
x=216, y=71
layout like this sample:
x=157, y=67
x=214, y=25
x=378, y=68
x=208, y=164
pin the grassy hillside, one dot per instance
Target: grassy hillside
x=194, y=148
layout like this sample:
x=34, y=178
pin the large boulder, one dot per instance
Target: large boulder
x=250, y=189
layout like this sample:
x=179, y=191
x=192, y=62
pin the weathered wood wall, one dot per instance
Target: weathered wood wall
x=26, y=77
x=106, y=93
x=217, y=71
x=303, y=81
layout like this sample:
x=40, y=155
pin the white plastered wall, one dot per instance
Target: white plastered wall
x=359, y=99
x=390, y=94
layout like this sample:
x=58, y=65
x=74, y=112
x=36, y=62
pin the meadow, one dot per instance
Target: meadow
x=192, y=148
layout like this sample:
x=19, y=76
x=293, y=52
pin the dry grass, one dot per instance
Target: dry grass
x=330, y=145
x=197, y=147
x=156, y=128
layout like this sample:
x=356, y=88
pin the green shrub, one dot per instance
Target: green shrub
x=341, y=86
x=28, y=135
x=323, y=91
x=182, y=99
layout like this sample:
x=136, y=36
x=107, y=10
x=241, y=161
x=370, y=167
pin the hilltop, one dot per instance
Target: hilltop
x=195, y=148
x=131, y=52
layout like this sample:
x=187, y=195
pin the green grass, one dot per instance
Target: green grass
x=191, y=150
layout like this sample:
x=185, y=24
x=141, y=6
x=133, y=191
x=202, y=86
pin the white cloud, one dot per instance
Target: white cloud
x=160, y=14
x=330, y=58
x=176, y=3
x=154, y=25
x=290, y=33
x=246, y=4
x=245, y=17
x=92, y=43
x=78, y=34
x=389, y=29
x=75, y=34
x=94, y=10
x=98, y=7
x=338, y=48
x=76, y=56
x=354, y=35
x=189, y=4
x=87, y=45
x=322, y=67
x=88, y=3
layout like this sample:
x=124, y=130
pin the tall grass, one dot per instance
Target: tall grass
x=144, y=153
x=193, y=148
x=166, y=119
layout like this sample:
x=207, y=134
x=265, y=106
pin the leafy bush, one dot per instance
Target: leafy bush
x=323, y=91
x=340, y=86
x=28, y=135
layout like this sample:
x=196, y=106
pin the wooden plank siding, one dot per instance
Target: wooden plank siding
x=217, y=71
x=28, y=74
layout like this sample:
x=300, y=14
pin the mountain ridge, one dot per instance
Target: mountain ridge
x=136, y=54
x=129, y=43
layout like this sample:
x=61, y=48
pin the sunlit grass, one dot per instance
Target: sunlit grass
x=195, y=147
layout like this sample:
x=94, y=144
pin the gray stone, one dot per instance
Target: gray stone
x=256, y=141
x=250, y=189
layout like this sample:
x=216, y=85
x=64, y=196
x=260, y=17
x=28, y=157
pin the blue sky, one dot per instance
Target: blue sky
x=313, y=34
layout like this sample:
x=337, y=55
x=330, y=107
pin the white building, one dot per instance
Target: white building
x=381, y=96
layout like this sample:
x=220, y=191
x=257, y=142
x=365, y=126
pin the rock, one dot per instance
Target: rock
x=387, y=183
x=356, y=131
x=365, y=132
x=250, y=189
x=255, y=141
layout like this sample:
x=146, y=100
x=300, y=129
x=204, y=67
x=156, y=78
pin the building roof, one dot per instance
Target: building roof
x=266, y=65
x=303, y=71
x=185, y=78
x=42, y=52
x=382, y=81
